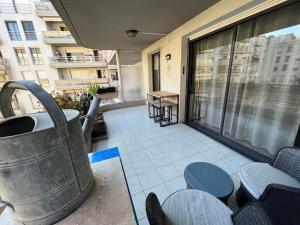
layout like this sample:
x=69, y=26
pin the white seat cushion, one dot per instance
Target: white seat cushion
x=189, y=207
x=256, y=176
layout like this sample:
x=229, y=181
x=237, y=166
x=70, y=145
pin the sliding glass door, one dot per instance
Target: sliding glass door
x=210, y=60
x=259, y=108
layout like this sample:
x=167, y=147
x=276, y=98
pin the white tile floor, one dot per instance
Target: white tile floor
x=154, y=158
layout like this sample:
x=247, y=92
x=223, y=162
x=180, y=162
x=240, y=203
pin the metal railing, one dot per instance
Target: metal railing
x=44, y=6
x=77, y=59
x=80, y=83
x=17, y=8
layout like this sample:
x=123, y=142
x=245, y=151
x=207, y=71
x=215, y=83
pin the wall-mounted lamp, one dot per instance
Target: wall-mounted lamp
x=168, y=56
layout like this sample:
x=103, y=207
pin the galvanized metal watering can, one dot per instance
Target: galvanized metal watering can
x=44, y=169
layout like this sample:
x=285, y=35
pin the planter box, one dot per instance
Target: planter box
x=99, y=129
x=106, y=96
x=107, y=93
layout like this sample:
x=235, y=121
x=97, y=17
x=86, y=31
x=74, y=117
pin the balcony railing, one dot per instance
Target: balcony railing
x=56, y=37
x=77, y=61
x=45, y=9
x=17, y=8
x=44, y=6
x=79, y=84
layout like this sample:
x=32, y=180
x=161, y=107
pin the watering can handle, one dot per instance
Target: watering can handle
x=55, y=112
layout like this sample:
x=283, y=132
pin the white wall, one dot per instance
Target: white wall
x=132, y=82
x=175, y=43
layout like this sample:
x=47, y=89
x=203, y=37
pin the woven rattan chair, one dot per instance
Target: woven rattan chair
x=189, y=207
x=276, y=186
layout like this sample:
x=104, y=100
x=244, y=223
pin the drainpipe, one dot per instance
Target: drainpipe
x=15, y=6
x=119, y=75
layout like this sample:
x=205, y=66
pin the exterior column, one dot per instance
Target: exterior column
x=119, y=76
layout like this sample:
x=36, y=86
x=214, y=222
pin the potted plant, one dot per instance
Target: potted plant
x=93, y=88
x=67, y=102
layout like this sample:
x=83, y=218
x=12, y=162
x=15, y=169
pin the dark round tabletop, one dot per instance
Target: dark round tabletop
x=210, y=178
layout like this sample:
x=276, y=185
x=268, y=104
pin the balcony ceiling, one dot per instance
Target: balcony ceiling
x=103, y=24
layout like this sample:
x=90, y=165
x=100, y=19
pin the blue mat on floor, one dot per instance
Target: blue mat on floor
x=104, y=155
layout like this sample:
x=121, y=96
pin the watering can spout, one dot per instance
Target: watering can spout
x=90, y=119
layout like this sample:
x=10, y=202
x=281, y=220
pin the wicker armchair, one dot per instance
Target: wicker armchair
x=188, y=207
x=276, y=186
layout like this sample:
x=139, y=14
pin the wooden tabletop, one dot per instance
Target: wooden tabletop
x=162, y=94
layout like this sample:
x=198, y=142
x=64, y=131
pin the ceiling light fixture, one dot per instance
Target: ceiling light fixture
x=133, y=33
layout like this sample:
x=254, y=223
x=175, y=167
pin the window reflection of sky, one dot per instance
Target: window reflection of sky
x=289, y=30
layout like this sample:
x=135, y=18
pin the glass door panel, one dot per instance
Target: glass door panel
x=156, y=71
x=208, y=76
x=263, y=110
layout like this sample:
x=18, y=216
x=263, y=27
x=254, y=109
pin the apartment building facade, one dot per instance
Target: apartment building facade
x=36, y=45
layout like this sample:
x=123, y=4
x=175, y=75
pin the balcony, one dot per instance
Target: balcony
x=46, y=11
x=62, y=62
x=79, y=84
x=17, y=8
x=58, y=38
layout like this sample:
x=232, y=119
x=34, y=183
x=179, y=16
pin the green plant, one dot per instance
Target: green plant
x=93, y=88
x=66, y=102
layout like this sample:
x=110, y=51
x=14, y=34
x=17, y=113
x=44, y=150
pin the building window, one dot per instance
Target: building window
x=284, y=67
x=275, y=69
x=36, y=56
x=287, y=58
x=289, y=49
x=43, y=78
x=99, y=73
x=29, y=30
x=277, y=59
x=13, y=30
x=21, y=55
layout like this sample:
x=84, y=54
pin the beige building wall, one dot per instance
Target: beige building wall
x=78, y=49
x=174, y=71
